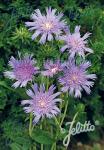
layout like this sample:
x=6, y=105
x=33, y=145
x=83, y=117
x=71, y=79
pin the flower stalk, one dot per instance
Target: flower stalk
x=30, y=125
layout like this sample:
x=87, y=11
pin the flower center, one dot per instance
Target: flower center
x=54, y=70
x=47, y=26
x=75, y=43
x=74, y=79
x=42, y=104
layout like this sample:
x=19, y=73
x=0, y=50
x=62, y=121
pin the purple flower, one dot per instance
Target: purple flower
x=52, y=68
x=42, y=103
x=76, y=78
x=22, y=70
x=75, y=44
x=46, y=25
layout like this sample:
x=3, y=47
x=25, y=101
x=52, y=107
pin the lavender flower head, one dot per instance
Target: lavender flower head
x=46, y=25
x=52, y=68
x=76, y=78
x=23, y=70
x=75, y=44
x=42, y=103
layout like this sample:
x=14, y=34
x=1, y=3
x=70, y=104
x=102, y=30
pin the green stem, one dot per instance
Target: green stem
x=47, y=84
x=57, y=123
x=30, y=124
x=42, y=79
x=34, y=147
x=60, y=123
x=61, y=105
x=31, y=127
x=51, y=130
x=54, y=144
x=66, y=106
x=65, y=110
x=42, y=147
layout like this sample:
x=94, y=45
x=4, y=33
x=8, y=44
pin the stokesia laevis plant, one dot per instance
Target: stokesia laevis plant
x=46, y=26
x=76, y=78
x=23, y=70
x=75, y=44
x=42, y=103
x=52, y=68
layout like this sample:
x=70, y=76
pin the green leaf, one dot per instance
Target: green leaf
x=42, y=137
x=3, y=83
x=23, y=141
x=15, y=146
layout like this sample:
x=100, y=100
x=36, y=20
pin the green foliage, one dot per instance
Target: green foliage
x=3, y=98
x=42, y=137
x=89, y=19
